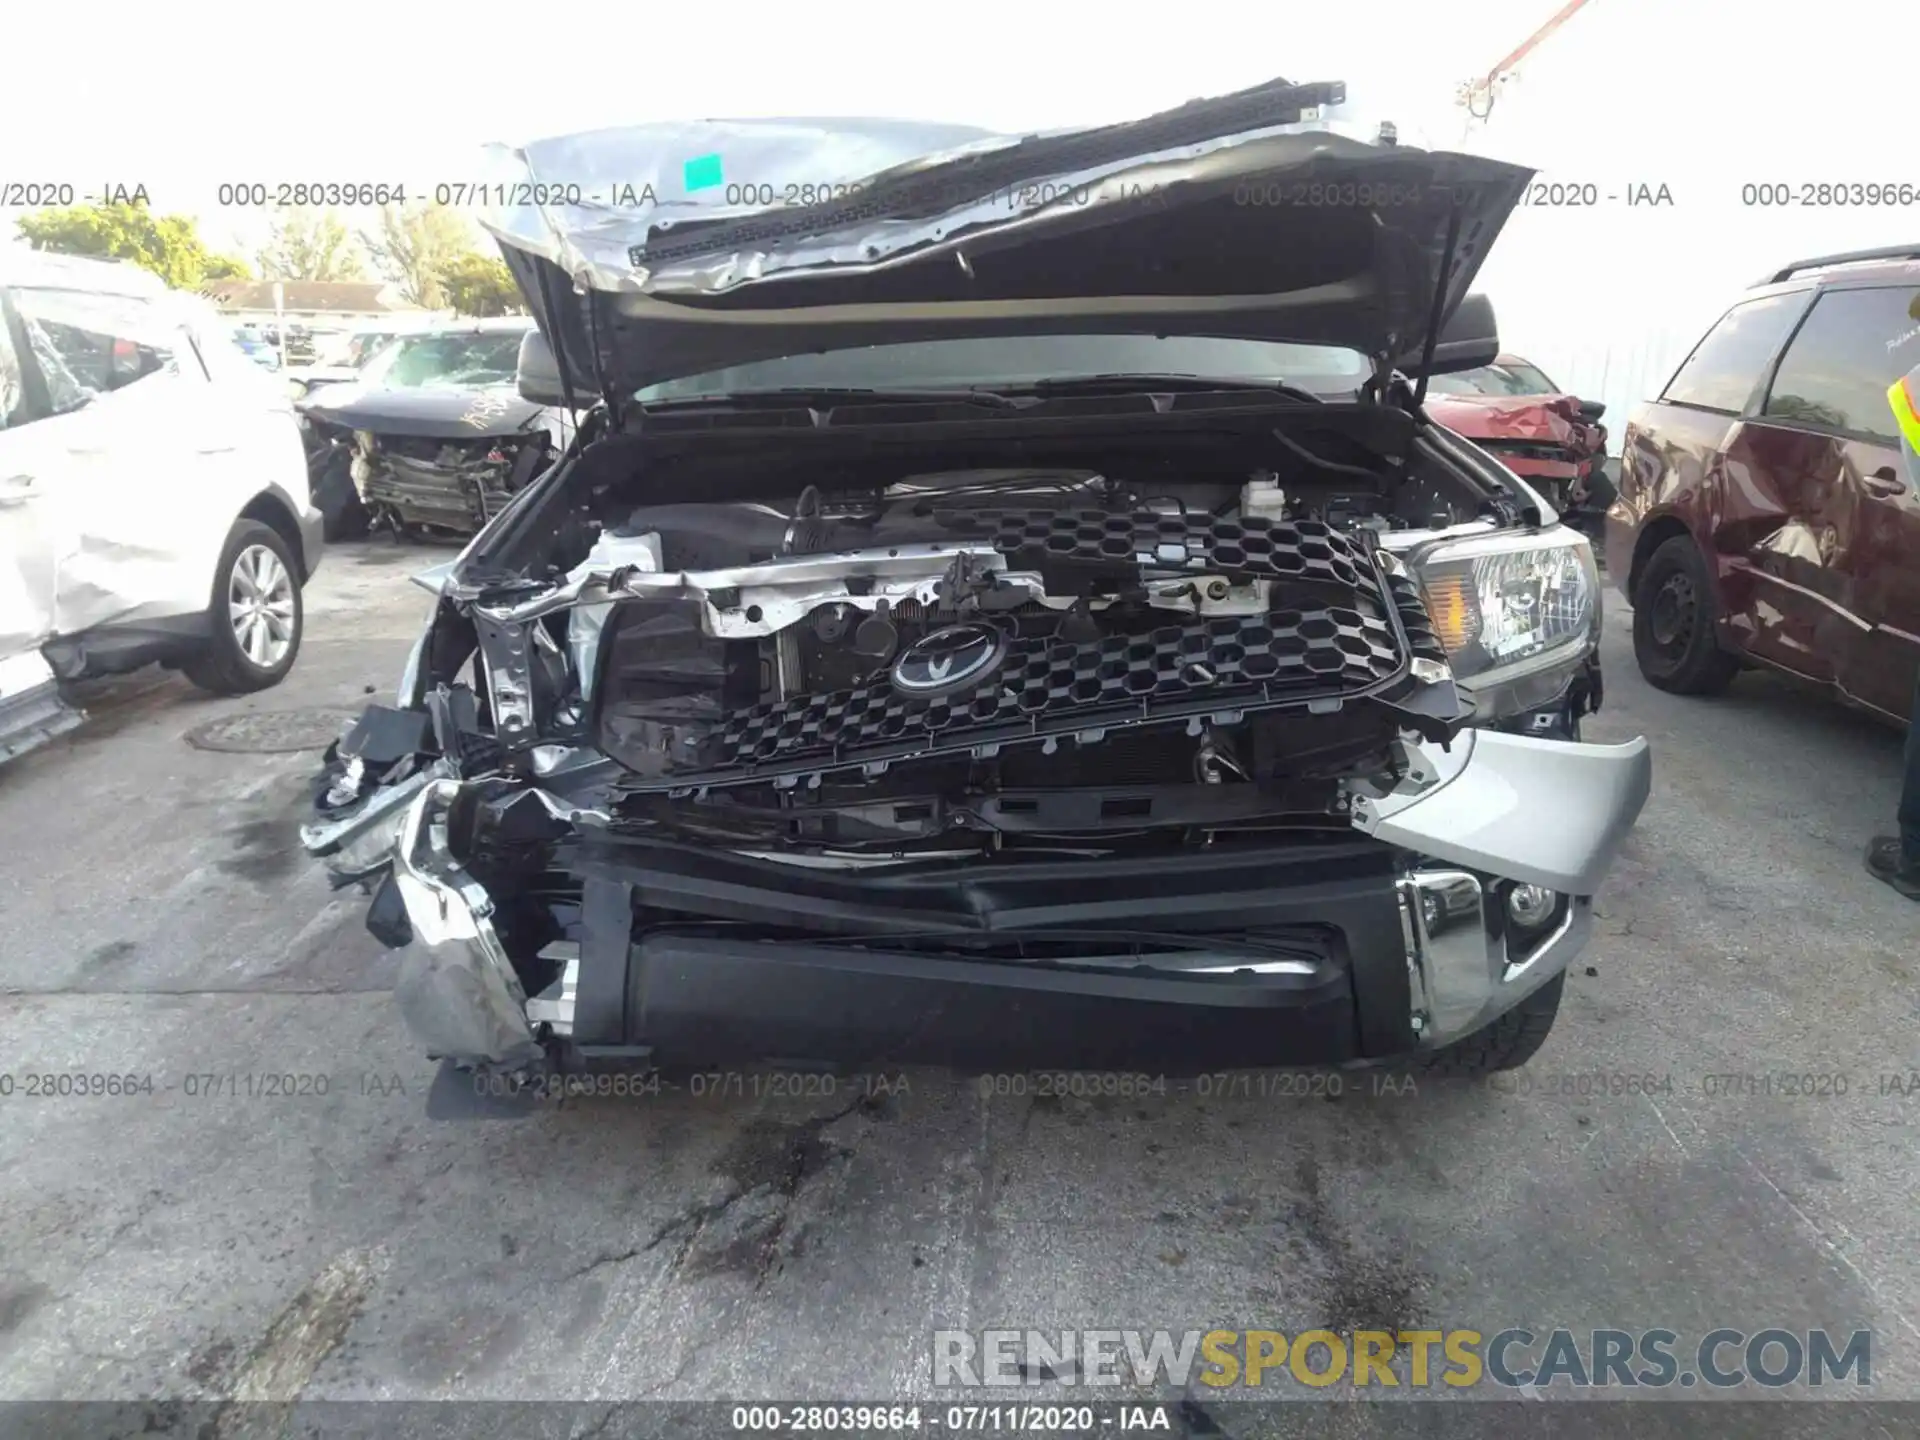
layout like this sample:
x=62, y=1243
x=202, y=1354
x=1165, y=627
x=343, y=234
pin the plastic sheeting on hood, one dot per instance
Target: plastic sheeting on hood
x=606, y=191
x=607, y=205
x=1245, y=216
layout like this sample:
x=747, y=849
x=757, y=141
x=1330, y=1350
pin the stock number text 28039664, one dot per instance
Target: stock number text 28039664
x=1822, y=195
x=789, y=193
x=259, y=193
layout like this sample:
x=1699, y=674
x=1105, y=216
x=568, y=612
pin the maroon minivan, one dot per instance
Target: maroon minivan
x=1764, y=515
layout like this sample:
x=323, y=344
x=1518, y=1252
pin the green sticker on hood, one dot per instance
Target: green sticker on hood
x=701, y=173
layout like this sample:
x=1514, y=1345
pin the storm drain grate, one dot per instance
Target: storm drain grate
x=271, y=732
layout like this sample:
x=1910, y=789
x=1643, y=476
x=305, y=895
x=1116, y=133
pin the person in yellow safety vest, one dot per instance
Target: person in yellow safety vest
x=1904, y=396
x=1896, y=858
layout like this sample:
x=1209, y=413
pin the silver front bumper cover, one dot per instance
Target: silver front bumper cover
x=1545, y=812
x=1498, y=807
x=1463, y=972
x=457, y=989
x=1551, y=813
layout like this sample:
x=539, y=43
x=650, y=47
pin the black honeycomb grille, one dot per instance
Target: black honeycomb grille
x=1052, y=686
x=1253, y=546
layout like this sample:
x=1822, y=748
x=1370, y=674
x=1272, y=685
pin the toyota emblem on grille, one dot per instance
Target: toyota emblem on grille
x=947, y=660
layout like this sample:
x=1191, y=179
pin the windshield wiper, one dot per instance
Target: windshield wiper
x=855, y=393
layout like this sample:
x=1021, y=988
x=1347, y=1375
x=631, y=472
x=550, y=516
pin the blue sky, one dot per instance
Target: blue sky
x=358, y=91
x=376, y=92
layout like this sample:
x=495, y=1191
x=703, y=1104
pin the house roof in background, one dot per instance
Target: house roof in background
x=335, y=297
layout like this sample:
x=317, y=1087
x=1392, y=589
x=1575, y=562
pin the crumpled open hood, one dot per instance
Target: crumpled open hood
x=446, y=413
x=1551, y=418
x=670, y=250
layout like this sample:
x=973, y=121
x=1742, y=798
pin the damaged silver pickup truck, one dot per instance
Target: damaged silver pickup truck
x=1010, y=609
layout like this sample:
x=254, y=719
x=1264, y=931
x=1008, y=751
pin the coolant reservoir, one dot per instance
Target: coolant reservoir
x=1262, y=495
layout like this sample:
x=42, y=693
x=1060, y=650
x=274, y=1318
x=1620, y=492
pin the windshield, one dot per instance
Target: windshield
x=458, y=360
x=359, y=349
x=351, y=347
x=1008, y=361
x=1507, y=377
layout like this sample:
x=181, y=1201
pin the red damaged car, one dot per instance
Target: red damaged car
x=1554, y=440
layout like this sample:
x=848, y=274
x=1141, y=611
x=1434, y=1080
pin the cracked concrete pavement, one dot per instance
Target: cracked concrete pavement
x=236, y=1235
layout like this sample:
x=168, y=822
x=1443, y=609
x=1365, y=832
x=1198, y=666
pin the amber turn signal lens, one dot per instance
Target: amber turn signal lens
x=1455, y=618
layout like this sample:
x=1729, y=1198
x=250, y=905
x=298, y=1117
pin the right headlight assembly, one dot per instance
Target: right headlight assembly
x=1513, y=605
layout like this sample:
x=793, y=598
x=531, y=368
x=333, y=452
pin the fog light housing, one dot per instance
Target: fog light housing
x=1531, y=907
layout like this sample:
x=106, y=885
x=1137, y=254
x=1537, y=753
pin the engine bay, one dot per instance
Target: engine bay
x=881, y=636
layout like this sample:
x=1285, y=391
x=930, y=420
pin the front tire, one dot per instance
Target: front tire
x=1507, y=1044
x=255, y=613
x=1674, y=631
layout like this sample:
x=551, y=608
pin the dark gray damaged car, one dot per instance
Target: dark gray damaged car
x=1007, y=609
x=430, y=438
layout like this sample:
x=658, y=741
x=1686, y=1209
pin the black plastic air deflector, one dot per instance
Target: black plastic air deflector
x=600, y=988
x=1345, y=887
x=384, y=734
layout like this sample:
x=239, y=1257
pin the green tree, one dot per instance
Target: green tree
x=168, y=245
x=226, y=267
x=308, y=244
x=480, y=285
x=1806, y=412
x=414, y=245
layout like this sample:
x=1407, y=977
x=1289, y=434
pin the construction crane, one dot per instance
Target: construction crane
x=1478, y=94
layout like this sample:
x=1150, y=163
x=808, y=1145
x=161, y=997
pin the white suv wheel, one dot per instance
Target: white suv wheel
x=254, y=618
x=260, y=606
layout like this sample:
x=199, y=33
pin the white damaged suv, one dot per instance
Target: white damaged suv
x=153, y=493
